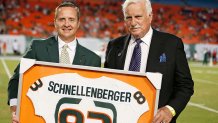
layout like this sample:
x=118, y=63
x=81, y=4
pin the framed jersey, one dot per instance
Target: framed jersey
x=60, y=93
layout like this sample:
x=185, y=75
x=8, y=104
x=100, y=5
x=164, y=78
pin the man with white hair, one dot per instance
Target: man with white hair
x=148, y=50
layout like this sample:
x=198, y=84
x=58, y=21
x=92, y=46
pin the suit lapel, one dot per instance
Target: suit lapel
x=53, y=49
x=79, y=57
x=121, y=52
x=154, y=51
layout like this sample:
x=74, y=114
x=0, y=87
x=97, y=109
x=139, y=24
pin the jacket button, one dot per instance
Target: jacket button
x=119, y=54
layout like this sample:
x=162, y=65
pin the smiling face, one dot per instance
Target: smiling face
x=137, y=20
x=67, y=23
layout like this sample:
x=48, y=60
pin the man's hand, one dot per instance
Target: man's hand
x=163, y=116
x=14, y=118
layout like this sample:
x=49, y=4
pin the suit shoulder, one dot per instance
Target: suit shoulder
x=89, y=52
x=119, y=40
x=167, y=35
x=43, y=41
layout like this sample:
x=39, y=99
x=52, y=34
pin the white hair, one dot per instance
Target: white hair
x=148, y=7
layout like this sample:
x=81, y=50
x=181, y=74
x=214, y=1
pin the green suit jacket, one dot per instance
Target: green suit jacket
x=47, y=50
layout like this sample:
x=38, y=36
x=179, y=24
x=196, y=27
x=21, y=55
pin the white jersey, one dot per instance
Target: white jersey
x=70, y=97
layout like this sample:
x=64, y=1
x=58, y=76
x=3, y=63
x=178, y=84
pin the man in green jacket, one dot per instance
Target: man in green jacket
x=63, y=48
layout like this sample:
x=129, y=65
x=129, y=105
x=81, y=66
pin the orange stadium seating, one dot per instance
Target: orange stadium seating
x=102, y=18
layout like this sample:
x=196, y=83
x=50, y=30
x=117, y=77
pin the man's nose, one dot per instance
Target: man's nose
x=67, y=23
x=133, y=22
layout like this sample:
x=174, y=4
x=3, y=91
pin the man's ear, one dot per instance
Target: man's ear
x=78, y=24
x=150, y=16
x=54, y=23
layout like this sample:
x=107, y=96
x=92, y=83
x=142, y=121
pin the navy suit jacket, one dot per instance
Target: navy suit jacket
x=177, y=84
x=47, y=50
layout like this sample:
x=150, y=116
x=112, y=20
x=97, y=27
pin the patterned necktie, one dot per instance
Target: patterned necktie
x=136, y=57
x=64, y=55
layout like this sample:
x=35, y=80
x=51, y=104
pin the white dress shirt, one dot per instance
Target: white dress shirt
x=71, y=48
x=145, y=45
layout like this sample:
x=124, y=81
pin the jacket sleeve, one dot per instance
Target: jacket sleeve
x=107, y=55
x=14, y=80
x=183, y=85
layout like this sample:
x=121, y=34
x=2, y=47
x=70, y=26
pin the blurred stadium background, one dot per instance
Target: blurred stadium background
x=195, y=21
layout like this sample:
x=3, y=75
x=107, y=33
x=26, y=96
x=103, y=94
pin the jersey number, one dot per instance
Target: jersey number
x=78, y=115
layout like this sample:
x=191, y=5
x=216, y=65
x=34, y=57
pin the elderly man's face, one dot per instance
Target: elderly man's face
x=137, y=20
x=67, y=23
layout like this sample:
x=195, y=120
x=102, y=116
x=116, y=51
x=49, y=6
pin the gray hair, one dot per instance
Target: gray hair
x=147, y=5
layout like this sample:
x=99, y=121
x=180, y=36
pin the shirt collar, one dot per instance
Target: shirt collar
x=71, y=45
x=146, y=39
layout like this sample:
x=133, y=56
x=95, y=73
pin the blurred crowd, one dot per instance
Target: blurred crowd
x=194, y=25
x=210, y=57
x=103, y=19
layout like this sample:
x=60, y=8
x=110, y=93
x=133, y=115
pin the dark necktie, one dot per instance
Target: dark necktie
x=136, y=57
